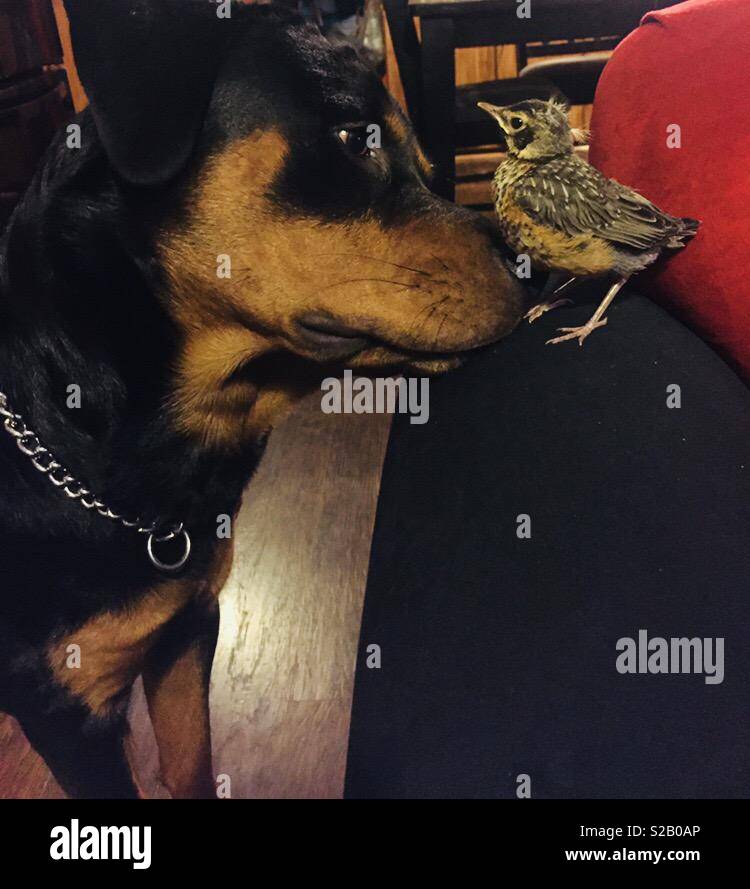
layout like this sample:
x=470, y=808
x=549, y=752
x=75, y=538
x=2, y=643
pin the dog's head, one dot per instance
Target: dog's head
x=297, y=227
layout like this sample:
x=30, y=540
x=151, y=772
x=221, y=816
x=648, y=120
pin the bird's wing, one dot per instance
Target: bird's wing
x=570, y=195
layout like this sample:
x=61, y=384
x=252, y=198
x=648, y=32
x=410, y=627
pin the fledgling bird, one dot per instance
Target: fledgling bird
x=560, y=211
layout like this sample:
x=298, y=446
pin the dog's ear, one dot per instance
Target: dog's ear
x=148, y=67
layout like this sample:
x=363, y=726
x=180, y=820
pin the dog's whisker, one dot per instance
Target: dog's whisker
x=439, y=331
x=416, y=321
x=385, y=261
x=417, y=324
x=404, y=284
x=401, y=284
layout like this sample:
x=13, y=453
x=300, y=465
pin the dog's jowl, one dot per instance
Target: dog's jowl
x=225, y=237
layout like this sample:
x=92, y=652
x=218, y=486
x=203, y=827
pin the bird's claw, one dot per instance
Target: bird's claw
x=579, y=333
x=538, y=310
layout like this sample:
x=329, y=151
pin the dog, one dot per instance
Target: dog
x=241, y=210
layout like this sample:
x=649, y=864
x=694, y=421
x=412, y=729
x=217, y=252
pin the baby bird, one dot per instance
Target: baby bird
x=556, y=208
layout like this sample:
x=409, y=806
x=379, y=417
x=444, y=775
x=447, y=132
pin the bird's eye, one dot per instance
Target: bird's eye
x=354, y=139
x=516, y=123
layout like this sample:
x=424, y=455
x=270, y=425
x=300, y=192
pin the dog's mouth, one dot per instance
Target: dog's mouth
x=294, y=370
x=328, y=340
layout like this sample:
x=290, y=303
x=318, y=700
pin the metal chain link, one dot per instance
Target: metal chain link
x=43, y=460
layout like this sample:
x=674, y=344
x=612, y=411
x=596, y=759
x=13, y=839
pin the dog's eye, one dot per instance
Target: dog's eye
x=354, y=140
x=516, y=123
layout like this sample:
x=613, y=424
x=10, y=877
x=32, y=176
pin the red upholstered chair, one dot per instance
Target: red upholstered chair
x=690, y=66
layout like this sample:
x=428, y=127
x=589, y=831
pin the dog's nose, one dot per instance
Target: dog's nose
x=327, y=336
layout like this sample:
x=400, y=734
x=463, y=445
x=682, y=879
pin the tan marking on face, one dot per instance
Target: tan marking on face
x=431, y=284
x=113, y=645
x=205, y=401
x=580, y=255
x=401, y=131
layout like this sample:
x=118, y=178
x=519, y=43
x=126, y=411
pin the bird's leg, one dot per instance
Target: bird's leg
x=565, y=285
x=538, y=310
x=596, y=320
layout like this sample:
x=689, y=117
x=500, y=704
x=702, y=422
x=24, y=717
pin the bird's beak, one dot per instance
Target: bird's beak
x=493, y=110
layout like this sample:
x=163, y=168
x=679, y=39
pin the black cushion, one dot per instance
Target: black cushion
x=498, y=653
x=575, y=77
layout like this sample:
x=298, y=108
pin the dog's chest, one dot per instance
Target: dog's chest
x=98, y=660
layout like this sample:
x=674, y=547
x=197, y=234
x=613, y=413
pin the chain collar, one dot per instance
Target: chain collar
x=43, y=460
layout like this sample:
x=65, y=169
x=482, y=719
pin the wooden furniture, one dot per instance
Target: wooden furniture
x=449, y=24
x=34, y=96
x=575, y=46
x=576, y=76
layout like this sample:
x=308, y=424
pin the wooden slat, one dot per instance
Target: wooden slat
x=505, y=61
x=23, y=775
x=284, y=670
x=78, y=94
x=475, y=65
x=392, y=74
x=474, y=194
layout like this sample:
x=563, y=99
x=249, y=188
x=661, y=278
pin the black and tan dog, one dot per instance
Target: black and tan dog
x=208, y=139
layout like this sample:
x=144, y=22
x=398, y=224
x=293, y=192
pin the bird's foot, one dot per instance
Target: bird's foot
x=577, y=333
x=537, y=311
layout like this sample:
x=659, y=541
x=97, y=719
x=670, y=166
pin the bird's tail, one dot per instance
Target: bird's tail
x=686, y=229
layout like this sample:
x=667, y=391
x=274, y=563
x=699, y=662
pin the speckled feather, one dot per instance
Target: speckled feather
x=570, y=198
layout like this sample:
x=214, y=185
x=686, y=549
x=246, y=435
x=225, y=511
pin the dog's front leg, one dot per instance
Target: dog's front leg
x=86, y=753
x=176, y=679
